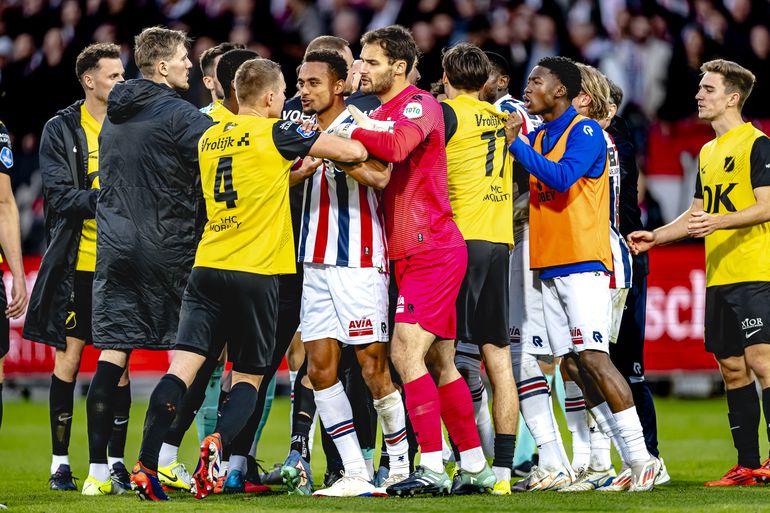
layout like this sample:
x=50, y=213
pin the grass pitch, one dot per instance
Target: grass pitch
x=694, y=442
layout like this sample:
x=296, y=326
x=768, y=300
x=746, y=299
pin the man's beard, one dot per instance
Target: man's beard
x=381, y=86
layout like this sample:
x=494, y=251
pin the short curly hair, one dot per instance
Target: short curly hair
x=566, y=71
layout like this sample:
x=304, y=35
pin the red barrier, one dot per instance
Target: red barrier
x=676, y=294
x=675, y=300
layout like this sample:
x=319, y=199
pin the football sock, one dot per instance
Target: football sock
x=60, y=400
x=160, y=414
x=99, y=471
x=168, y=455
x=237, y=411
x=337, y=416
x=191, y=402
x=503, y=462
x=600, y=447
x=457, y=414
x=424, y=410
x=645, y=406
x=766, y=409
x=265, y=407
x=631, y=430
x=390, y=410
x=99, y=408
x=237, y=463
x=525, y=449
x=743, y=414
x=302, y=419
x=468, y=362
x=206, y=418
x=58, y=460
x=575, y=412
x=117, y=445
x=333, y=459
x=608, y=425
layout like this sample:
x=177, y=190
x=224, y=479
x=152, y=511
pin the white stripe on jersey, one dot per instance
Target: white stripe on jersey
x=621, y=256
x=341, y=219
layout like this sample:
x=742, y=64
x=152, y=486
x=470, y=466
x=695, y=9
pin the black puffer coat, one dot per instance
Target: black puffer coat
x=149, y=215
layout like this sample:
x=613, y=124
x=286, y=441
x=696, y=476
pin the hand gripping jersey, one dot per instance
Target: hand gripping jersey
x=418, y=215
x=478, y=170
x=621, y=256
x=244, y=164
x=731, y=167
x=341, y=219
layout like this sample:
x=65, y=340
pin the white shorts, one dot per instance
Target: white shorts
x=578, y=309
x=618, y=307
x=527, y=323
x=348, y=304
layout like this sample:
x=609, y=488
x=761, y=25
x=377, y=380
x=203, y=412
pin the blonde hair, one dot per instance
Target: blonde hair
x=254, y=77
x=737, y=78
x=596, y=86
x=155, y=44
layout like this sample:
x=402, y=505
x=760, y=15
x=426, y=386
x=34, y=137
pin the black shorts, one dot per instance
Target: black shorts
x=5, y=341
x=238, y=307
x=482, y=304
x=737, y=316
x=628, y=353
x=78, y=321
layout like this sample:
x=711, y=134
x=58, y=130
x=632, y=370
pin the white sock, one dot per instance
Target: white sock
x=631, y=430
x=468, y=362
x=292, y=379
x=111, y=461
x=484, y=424
x=59, y=460
x=600, y=447
x=390, y=409
x=336, y=414
x=168, y=455
x=223, y=467
x=565, y=461
x=311, y=435
x=472, y=460
x=237, y=463
x=502, y=474
x=575, y=412
x=534, y=403
x=432, y=461
x=608, y=425
x=447, y=454
x=369, y=467
x=99, y=471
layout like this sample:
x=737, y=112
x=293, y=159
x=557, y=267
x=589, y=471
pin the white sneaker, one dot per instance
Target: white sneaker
x=540, y=479
x=644, y=475
x=380, y=491
x=348, y=486
x=590, y=479
x=663, y=477
x=620, y=483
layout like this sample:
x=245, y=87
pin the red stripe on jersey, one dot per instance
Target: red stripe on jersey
x=366, y=227
x=322, y=232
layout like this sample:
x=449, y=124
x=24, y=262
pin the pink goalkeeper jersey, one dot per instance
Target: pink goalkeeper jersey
x=418, y=216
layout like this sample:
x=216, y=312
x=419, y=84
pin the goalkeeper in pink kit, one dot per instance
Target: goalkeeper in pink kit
x=430, y=258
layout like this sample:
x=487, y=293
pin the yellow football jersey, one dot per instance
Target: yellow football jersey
x=479, y=170
x=244, y=164
x=730, y=168
x=217, y=111
x=86, y=260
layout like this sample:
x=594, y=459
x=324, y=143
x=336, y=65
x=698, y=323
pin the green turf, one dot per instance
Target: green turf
x=694, y=441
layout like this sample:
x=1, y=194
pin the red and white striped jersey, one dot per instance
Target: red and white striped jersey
x=621, y=256
x=342, y=220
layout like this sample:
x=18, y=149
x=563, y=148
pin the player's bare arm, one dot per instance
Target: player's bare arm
x=643, y=240
x=10, y=241
x=702, y=223
x=372, y=173
x=338, y=149
x=306, y=170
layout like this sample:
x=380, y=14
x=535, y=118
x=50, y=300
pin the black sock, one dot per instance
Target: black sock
x=188, y=407
x=645, y=407
x=117, y=446
x=99, y=407
x=384, y=456
x=743, y=414
x=302, y=419
x=161, y=411
x=237, y=411
x=766, y=409
x=504, y=448
x=60, y=405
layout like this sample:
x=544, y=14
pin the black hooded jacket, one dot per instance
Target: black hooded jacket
x=149, y=217
x=68, y=201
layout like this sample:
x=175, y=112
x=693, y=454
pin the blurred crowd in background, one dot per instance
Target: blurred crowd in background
x=653, y=49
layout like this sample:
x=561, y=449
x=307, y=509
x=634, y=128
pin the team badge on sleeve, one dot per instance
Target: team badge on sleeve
x=307, y=134
x=6, y=157
x=413, y=110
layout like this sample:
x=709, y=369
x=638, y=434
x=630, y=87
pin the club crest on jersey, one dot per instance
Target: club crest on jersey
x=400, y=304
x=229, y=126
x=6, y=157
x=360, y=328
x=307, y=134
x=413, y=110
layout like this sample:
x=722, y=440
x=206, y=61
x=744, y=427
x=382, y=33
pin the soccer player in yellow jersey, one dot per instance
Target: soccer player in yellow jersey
x=731, y=211
x=247, y=242
x=60, y=304
x=479, y=174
